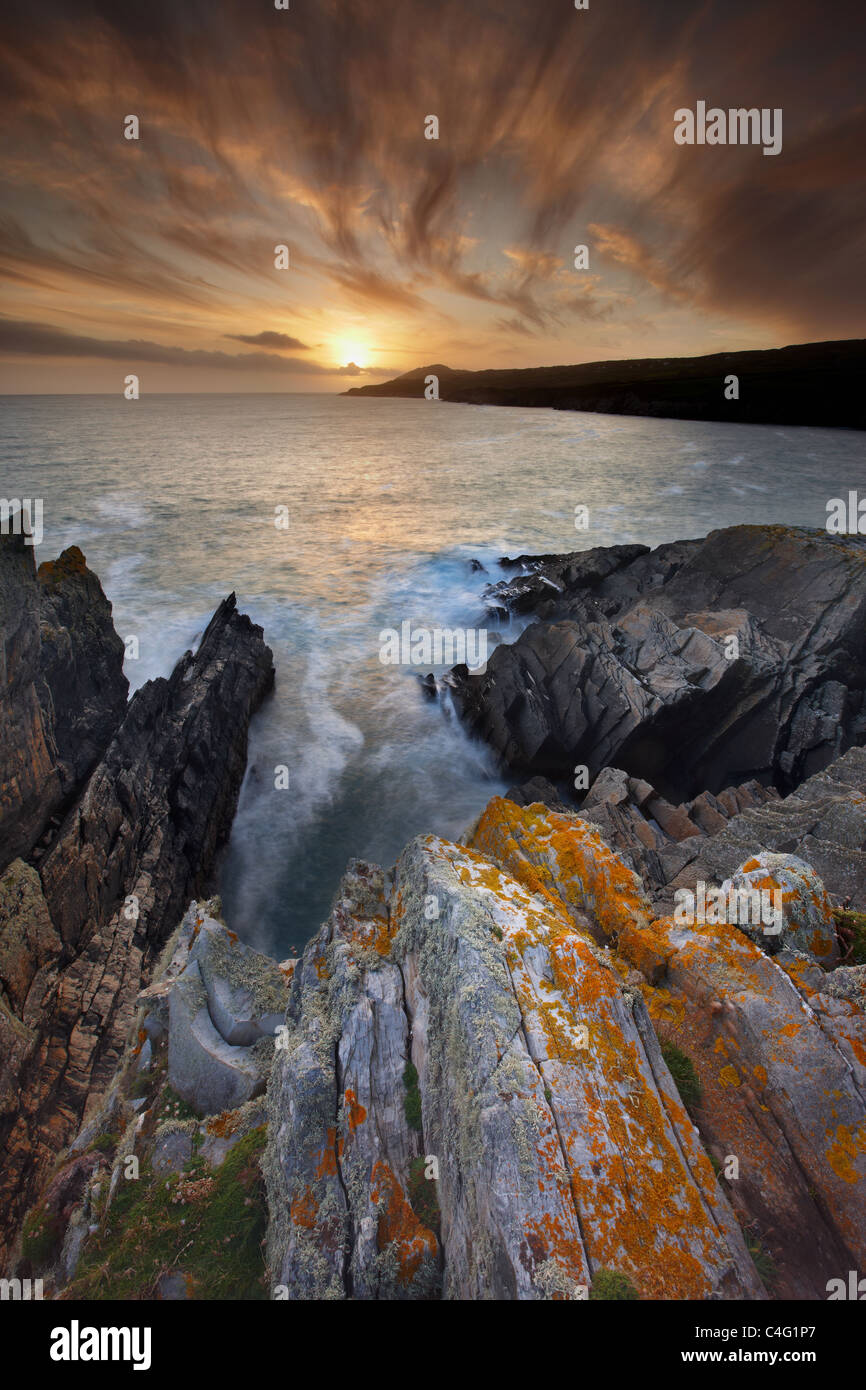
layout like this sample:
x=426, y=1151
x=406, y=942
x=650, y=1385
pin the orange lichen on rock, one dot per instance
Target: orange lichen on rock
x=844, y=1150
x=399, y=1228
x=304, y=1209
x=356, y=1114
x=327, y=1156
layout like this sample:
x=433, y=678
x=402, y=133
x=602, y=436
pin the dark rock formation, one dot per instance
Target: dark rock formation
x=64, y=691
x=135, y=847
x=83, y=690
x=161, y=802
x=694, y=666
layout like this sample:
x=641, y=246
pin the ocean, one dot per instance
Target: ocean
x=173, y=500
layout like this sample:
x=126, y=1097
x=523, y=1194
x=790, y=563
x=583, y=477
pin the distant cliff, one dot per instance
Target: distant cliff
x=808, y=384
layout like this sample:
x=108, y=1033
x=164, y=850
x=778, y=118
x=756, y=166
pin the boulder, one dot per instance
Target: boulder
x=802, y=918
x=207, y=1072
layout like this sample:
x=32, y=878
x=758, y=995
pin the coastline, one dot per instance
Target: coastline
x=817, y=384
x=522, y=1005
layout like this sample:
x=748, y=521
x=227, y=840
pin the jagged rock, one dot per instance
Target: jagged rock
x=783, y=1074
x=542, y=1143
x=30, y=788
x=340, y=1146
x=160, y=803
x=538, y=789
x=804, y=920
x=82, y=689
x=636, y=667
x=28, y=941
x=144, y=835
x=61, y=669
x=823, y=822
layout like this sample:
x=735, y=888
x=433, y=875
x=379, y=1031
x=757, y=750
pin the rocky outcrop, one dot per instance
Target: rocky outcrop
x=140, y=841
x=513, y=1067
x=63, y=683
x=157, y=1198
x=780, y=1067
x=706, y=840
x=696, y=666
x=82, y=689
x=500, y=1075
x=544, y=1116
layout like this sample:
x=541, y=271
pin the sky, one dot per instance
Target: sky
x=305, y=128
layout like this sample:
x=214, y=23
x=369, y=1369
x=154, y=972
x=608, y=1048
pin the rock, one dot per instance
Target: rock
x=172, y=1150
x=736, y=657
x=783, y=1076
x=340, y=1146
x=221, y=1133
x=247, y=993
x=206, y=1071
x=802, y=918
x=848, y=982
x=538, y=789
x=83, y=689
x=143, y=835
x=64, y=687
x=160, y=803
x=28, y=941
x=549, y=1149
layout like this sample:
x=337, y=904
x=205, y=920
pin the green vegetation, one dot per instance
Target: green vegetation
x=610, y=1286
x=105, y=1143
x=41, y=1236
x=422, y=1195
x=173, y=1108
x=683, y=1072
x=206, y=1224
x=412, y=1099
x=851, y=927
x=763, y=1262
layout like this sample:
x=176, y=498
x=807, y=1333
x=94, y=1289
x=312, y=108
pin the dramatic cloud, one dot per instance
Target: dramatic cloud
x=270, y=340
x=305, y=128
x=32, y=340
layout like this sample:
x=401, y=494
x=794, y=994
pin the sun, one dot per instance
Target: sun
x=351, y=350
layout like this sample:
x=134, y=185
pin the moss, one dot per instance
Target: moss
x=611, y=1286
x=422, y=1195
x=852, y=930
x=683, y=1072
x=41, y=1236
x=207, y=1225
x=763, y=1262
x=105, y=1143
x=412, y=1099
